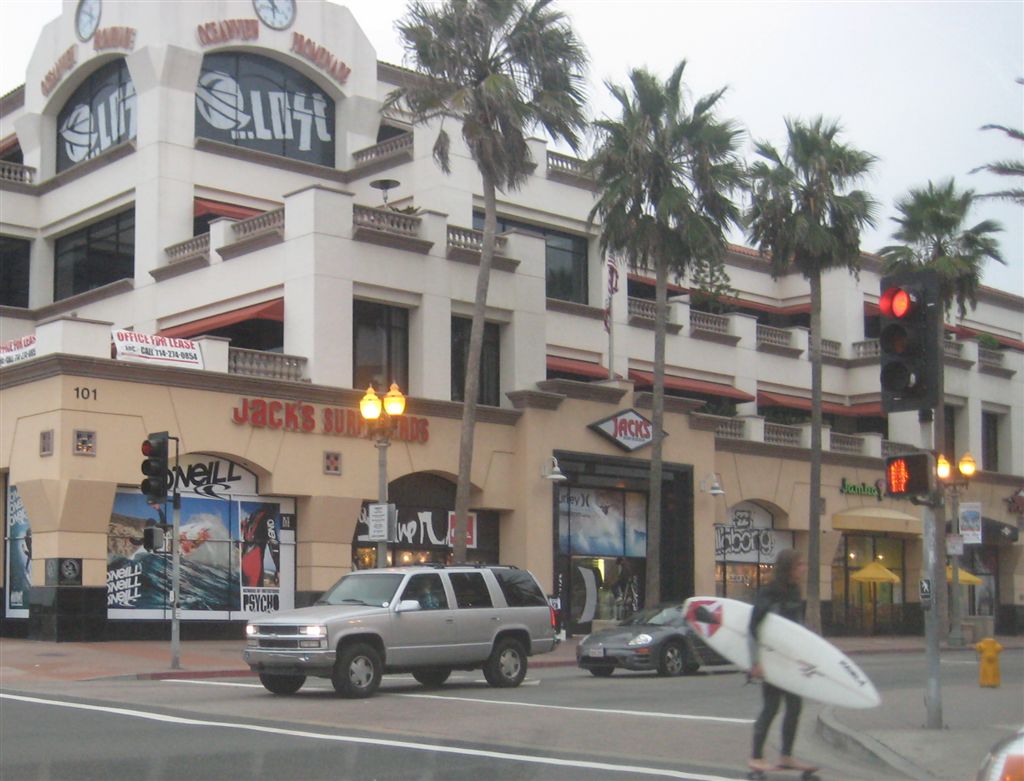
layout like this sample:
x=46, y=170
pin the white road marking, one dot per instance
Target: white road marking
x=615, y=711
x=633, y=770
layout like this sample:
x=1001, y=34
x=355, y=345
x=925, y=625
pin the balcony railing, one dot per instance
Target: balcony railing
x=265, y=365
x=845, y=443
x=830, y=348
x=952, y=349
x=15, y=172
x=890, y=448
x=778, y=434
x=261, y=225
x=196, y=247
x=643, y=308
x=386, y=220
x=567, y=166
x=469, y=240
x=867, y=349
x=775, y=337
x=389, y=148
x=730, y=428
x=990, y=358
x=705, y=321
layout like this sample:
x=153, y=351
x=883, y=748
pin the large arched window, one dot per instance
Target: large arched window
x=258, y=103
x=99, y=115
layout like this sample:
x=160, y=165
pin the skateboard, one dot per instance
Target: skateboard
x=805, y=775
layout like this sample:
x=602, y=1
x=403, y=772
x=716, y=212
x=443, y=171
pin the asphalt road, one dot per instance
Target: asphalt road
x=561, y=724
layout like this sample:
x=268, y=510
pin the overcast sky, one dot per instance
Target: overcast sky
x=910, y=82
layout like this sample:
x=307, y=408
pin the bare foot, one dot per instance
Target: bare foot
x=760, y=765
x=793, y=764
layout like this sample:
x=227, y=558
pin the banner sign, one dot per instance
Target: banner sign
x=156, y=350
x=17, y=350
x=970, y=522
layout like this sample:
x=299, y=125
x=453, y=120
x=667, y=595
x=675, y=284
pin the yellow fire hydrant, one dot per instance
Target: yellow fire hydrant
x=988, y=662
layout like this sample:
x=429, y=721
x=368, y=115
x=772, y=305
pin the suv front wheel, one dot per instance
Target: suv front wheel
x=506, y=666
x=357, y=671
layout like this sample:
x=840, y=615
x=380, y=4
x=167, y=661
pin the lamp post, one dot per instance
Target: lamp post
x=380, y=416
x=966, y=467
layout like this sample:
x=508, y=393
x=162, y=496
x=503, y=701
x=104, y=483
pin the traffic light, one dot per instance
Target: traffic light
x=153, y=538
x=154, y=467
x=911, y=474
x=911, y=361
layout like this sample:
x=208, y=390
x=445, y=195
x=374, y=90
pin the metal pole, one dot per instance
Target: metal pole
x=956, y=634
x=383, y=441
x=933, y=690
x=175, y=567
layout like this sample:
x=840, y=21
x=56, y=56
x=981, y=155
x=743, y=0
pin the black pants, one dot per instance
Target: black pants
x=773, y=696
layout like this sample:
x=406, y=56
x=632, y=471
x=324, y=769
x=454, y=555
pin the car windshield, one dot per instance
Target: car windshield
x=375, y=589
x=664, y=615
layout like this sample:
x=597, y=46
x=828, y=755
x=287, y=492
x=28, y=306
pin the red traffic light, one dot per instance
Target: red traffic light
x=897, y=302
x=148, y=448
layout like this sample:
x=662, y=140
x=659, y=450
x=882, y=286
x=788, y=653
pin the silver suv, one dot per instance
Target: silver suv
x=426, y=620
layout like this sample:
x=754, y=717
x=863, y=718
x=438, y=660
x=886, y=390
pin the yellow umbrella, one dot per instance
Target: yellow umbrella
x=875, y=573
x=966, y=578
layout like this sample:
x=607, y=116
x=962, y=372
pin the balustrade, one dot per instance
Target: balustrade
x=15, y=172
x=266, y=365
x=705, y=321
x=386, y=220
x=392, y=146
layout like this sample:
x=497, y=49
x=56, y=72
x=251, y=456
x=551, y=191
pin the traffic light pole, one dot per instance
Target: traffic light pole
x=176, y=571
x=932, y=565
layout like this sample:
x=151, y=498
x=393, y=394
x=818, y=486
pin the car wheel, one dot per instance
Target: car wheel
x=673, y=659
x=506, y=666
x=357, y=671
x=601, y=672
x=432, y=676
x=282, y=684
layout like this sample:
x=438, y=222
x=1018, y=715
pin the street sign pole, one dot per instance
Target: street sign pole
x=935, y=571
x=176, y=569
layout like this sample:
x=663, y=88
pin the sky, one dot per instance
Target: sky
x=909, y=82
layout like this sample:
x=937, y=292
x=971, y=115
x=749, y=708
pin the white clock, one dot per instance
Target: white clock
x=87, y=18
x=276, y=14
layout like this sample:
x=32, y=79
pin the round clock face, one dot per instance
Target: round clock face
x=277, y=14
x=87, y=18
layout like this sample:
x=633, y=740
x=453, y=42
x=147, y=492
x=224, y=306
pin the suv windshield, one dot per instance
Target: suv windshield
x=376, y=589
x=658, y=616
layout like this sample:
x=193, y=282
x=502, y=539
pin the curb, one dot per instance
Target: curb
x=865, y=747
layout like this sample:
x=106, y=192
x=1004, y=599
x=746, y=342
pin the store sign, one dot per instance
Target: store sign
x=257, y=103
x=749, y=537
x=303, y=418
x=137, y=347
x=1015, y=502
x=228, y=30
x=101, y=114
x=321, y=57
x=60, y=69
x=877, y=490
x=114, y=38
x=17, y=350
x=628, y=429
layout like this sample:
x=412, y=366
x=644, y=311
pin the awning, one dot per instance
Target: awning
x=268, y=310
x=687, y=385
x=203, y=206
x=579, y=368
x=876, y=519
x=963, y=577
x=875, y=573
x=994, y=532
x=867, y=410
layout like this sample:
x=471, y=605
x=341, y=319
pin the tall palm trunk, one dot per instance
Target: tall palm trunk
x=653, y=590
x=472, y=384
x=813, y=617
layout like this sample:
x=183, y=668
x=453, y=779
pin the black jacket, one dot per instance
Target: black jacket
x=783, y=599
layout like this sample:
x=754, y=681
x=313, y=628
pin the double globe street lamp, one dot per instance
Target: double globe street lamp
x=966, y=467
x=381, y=415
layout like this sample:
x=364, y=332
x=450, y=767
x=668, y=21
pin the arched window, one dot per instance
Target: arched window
x=257, y=103
x=99, y=115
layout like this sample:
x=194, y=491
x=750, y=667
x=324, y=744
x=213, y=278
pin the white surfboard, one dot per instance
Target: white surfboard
x=793, y=657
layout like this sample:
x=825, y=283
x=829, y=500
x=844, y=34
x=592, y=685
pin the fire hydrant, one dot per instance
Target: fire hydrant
x=988, y=662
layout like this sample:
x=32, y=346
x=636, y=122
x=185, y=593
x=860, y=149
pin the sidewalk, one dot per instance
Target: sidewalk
x=893, y=734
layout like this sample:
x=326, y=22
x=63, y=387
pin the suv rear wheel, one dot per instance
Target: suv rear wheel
x=432, y=676
x=282, y=684
x=357, y=671
x=506, y=666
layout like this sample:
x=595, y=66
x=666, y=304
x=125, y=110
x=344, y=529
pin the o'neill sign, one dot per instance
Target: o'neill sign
x=628, y=429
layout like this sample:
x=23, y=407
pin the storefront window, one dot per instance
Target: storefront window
x=100, y=115
x=875, y=605
x=982, y=561
x=745, y=551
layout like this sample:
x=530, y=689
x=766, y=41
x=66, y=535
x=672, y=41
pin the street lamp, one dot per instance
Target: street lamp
x=380, y=415
x=966, y=467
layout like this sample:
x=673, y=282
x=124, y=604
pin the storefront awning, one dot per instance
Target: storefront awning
x=868, y=410
x=687, y=385
x=579, y=368
x=201, y=206
x=268, y=310
x=876, y=519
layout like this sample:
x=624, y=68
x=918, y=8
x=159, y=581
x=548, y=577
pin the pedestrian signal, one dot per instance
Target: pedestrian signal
x=911, y=362
x=154, y=486
x=911, y=474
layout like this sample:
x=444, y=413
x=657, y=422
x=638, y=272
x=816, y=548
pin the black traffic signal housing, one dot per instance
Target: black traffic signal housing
x=911, y=474
x=909, y=349
x=153, y=538
x=154, y=467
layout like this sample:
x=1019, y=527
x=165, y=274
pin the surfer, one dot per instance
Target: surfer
x=782, y=596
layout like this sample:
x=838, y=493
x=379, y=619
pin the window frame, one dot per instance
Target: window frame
x=489, y=391
x=86, y=243
x=390, y=322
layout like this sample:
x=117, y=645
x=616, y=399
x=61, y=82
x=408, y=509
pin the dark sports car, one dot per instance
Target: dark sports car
x=656, y=638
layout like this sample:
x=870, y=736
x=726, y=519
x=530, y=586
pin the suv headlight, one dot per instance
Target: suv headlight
x=316, y=630
x=641, y=639
x=250, y=630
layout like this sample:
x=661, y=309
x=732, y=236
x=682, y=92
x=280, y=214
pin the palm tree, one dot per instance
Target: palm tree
x=1010, y=167
x=664, y=173
x=805, y=216
x=931, y=227
x=500, y=68
x=933, y=235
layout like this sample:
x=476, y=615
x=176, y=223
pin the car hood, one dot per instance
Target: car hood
x=618, y=635
x=317, y=614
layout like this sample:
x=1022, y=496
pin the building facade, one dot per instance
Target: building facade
x=208, y=227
